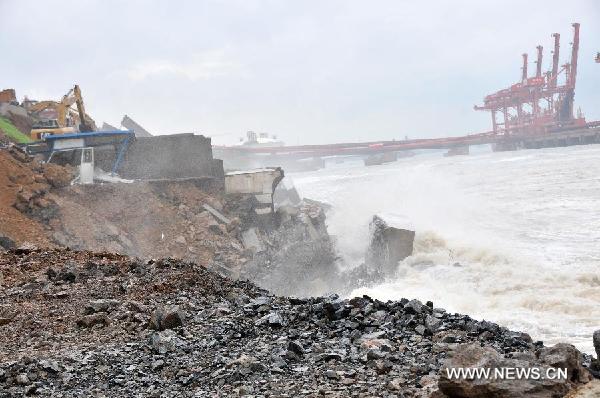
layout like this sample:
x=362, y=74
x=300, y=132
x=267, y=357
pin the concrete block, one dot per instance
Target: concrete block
x=218, y=215
x=251, y=240
x=388, y=246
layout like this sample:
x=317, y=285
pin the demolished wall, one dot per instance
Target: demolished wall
x=171, y=156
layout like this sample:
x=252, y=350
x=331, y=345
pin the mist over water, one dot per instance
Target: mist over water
x=510, y=237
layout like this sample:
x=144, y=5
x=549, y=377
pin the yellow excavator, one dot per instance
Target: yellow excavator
x=66, y=119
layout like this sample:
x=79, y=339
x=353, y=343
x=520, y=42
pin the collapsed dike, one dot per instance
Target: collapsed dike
x=184, y=309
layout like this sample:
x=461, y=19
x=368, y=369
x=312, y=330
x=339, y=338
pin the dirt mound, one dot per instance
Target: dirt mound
x=51, y=288
x=147, y=219
x=25, y=182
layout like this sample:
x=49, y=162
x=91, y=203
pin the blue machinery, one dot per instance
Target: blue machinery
x=119, y=139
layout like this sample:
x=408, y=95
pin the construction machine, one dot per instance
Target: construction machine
x=52, y=117
x=598, y=57
x=85, y=122
x=59, y=118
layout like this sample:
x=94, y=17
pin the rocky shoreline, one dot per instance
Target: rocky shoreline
x=99, y=324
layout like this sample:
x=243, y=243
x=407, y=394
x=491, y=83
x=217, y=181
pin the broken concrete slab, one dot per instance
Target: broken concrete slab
x=251, y=240
x=285, y=194
x=256, y=181
x=217, y=214
x=176, y=156
x=388, y=246
x=138, y=130
x=259, y=183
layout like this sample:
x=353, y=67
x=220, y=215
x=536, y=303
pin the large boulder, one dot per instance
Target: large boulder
x=499, y=383
x=163, y=318
x=565, y=356
x=388, y=246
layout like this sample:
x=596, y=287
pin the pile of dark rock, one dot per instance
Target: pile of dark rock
x=125, y=327
x=294, y=255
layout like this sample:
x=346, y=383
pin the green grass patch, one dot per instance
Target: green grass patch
x=12, y=132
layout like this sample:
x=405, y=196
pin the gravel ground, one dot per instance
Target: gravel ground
x=98, y=324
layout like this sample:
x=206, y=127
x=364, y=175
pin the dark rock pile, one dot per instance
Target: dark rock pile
x=297, y=255
x=99, y=324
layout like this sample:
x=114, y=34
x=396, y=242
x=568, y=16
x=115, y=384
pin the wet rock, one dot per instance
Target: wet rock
x=432, y=323
x=395, y=384
x=102, y=305
x=296, y=348
x=89, y=321
x=248, y=363
x=331, y=374
x=422, y=330
x=383, y=366
x=67, y=274
x=158, y=364
x=565, y=356
x=468, y=356
x=50, y=366
x=162, y=342
x=413, y=307
x=22, y=379
x=166, y=318
x=273, y=319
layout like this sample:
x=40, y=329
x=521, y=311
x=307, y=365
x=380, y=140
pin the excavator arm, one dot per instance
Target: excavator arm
x=84, y=119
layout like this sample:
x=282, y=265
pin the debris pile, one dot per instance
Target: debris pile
x=81, y=323
x=187, y=219
x=295, y=257
x=25, y=187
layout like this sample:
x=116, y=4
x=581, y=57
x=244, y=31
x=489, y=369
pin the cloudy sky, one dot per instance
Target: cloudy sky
x=309, y=71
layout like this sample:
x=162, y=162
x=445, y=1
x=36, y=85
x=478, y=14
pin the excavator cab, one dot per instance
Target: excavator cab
x=42, y=128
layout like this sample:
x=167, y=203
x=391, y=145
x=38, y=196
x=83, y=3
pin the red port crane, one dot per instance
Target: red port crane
x=540, y=104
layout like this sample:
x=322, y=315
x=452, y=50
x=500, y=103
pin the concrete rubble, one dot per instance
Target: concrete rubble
x=258, y=184
x=131, y=124
x=388, y=246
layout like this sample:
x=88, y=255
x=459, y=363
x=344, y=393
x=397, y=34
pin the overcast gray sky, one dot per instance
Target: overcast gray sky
x=309, y=71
